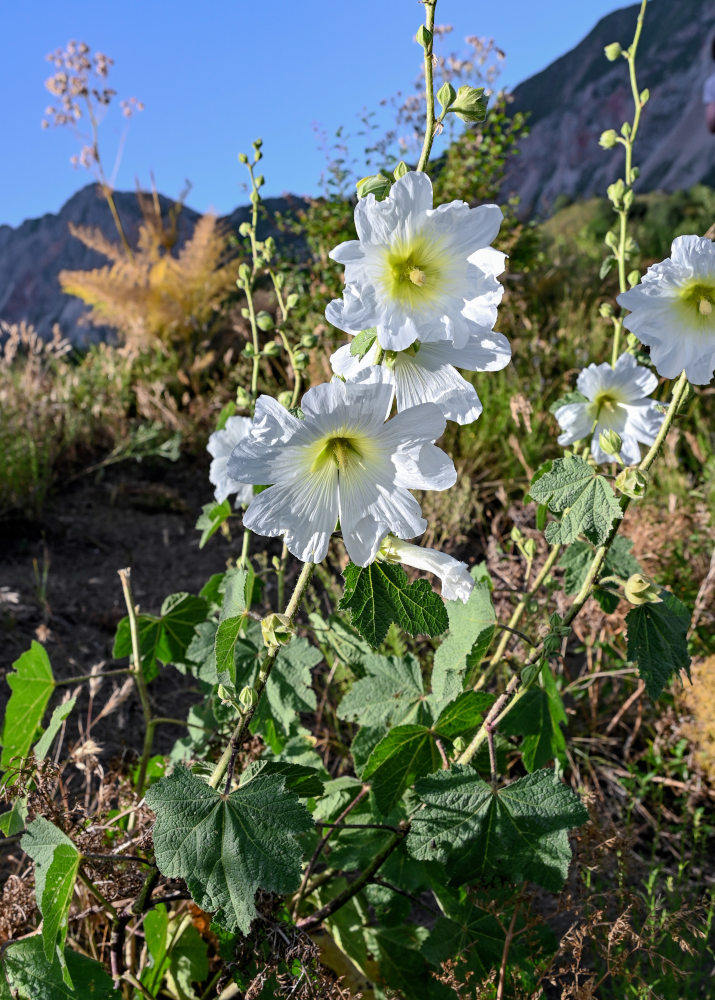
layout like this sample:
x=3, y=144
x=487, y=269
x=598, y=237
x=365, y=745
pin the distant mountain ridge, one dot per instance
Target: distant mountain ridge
x=570, y=103
x=581, y=94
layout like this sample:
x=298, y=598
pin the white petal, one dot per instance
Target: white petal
x=575, y=421
x=419, y=380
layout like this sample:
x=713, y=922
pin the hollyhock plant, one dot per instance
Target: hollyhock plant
x=616, y=400
x=343, y=462
x=457, y=584
x=428, y=372
x=221, y=444
x=673, y=310
x=418, y=273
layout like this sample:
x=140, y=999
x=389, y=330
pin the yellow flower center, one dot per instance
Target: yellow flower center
x=344, y=450
x=698, y=299
x=604, y=405
x=414, y=271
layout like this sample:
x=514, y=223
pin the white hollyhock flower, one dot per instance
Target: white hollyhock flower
x=427, y=373
x=457, y=584
x=343, y=462
x=418, y=273
x=673, y=310
x=221, y=444
x=617, y=401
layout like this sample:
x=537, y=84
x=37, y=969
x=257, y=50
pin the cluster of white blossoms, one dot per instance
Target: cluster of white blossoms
x=672, y=313
x=421, y=284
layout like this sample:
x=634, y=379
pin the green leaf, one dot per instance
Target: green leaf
x=201, y=653
x=588, y=503
x=289, y=689
x=379, y=594
x=362, y=342
x=463, y=715
x=657, y=641
x=406, y=753
x=163, y=638
x=181, y=961
x=226, y=849
x=389, y=694
x=469, y=935
x=404, y=968
x=212, y=516
x=32, y=684
x=471, y=627
x=517, y=832
x=56, y=863
x=13, y=821
x=536, y=718
x=304, y=781
x=577, y=558
x=61, y=712
x=29, y=973
x=344, y=641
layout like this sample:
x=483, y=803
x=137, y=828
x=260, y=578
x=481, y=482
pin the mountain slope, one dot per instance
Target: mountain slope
x=581, y=94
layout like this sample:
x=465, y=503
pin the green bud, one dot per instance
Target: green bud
x=300, y=359
x=285, y=398
x=248, y=698
x=258, y=156
x=516, y=535
x=613, y=51
x=242, y=158
x=264, y=321
x=470, y=104
x=244, y=272
x=272, y=349
x=635, y=173
x=608, y=139
x=625, y=130
x=400, y=170
x=610, y=441
x=529, y=548
x=243, y=398
x=246, y=313
x=611, y=241
x=277, y=630
x=260, y=180
x=640, y=589
x=628, y=198
x=292, y=300
x=423, y=37
x=632, y=483
x=224, y=695
x=257, y=143
x=377, y=184
x=633, y=277
x=248, y=351
x=459, y=744
x=279, y=279
x=631, y=245
x=244, y=229
x=606, y=310
x=308, y=340
x=446, y=95
x=645, y=96
x=254, y=197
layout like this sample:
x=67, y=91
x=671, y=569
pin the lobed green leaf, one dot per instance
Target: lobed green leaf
x=588, y=503
x=657, y=641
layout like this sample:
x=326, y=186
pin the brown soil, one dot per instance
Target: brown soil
x=140, y=515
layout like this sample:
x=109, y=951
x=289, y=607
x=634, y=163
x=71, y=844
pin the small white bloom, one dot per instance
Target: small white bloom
x=343, y=462
x=673, y=310
x=221, y=444
x=457, y=584
x=418, y=273
x=617, y=401
x=427, y=373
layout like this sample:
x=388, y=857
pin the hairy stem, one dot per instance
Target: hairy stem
x=228, y=757
x=429, y=86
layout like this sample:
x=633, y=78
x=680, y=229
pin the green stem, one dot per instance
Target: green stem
x=97, y=894
x=624, y=211
x=502, y=706
x=315, y=919
x=92, y=677
x=229, y=754
x=139, y=681
x=245, y=544
x=429, y=86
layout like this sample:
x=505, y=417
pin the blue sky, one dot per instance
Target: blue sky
x=215, y=76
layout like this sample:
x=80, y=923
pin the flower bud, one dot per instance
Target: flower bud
x=423, y=36
x=640, y=589
x=292, y=300
x=248, y=698
x=608, y=139
x=260, y=180
x=248, y=351
x=242, y=158
x=470, y=104
x=243, y=398
x=613, y=51
x=308, y=340
x=300, y=359
x=277, y=630
x=272, y=349
x=606, y=310
x=610, y=441
x=285, y=398
x=246, y=313
x=400, y=170
x=264, y=321
x=633, y=277
x=224, y=695
x=632, y=483
x=244, y=272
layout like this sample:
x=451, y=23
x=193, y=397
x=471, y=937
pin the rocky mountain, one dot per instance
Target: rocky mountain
x=581, y=95
x=33, y=254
